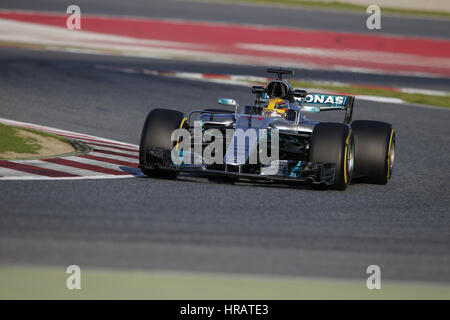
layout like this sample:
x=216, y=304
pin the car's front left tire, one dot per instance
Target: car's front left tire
x=333, y=143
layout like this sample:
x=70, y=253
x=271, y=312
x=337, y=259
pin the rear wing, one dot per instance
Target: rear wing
x=316, y=102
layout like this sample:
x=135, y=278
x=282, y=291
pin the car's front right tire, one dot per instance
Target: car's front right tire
x=375, y=150
x=156, y=134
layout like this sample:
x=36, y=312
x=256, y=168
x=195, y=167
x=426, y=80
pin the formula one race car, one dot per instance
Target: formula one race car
x=270, y=140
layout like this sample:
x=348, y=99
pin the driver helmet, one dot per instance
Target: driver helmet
x=275, y=107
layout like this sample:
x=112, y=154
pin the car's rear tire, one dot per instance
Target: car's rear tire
x=375, y=150
x=157, y=131
x=333, y=143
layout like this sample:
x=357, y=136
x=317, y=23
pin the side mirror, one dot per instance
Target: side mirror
x=228, y=102
x=258, y=89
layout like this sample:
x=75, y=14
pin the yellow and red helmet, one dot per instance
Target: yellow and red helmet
x=275, y=106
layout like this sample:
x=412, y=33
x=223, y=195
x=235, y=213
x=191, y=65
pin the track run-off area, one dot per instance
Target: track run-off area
x=230, y=43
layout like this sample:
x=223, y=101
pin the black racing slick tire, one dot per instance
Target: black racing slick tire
x=333, y=143
x=157, y=131
x=375, y=150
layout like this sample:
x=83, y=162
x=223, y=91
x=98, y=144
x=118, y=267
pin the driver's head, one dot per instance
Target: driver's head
x=275, y=106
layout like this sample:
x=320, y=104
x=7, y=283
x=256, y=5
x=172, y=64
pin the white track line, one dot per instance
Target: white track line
x=107, y=165
x=58, y=167
x=245, y=81
x=131, y=153
x=114, y=157
x=7, y=172
x=99, y=177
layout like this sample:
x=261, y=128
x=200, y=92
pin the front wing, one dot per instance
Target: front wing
x=285, y=170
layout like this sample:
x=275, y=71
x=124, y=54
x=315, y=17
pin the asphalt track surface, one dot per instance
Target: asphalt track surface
x=191, y=224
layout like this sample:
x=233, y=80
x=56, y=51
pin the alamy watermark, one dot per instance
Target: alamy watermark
x=374, y=280
x=245, y=146
x=73, y=281
x=373, y=22
x=73, y=21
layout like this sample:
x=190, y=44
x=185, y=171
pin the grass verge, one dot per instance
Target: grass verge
x=337, y=5
x=22, y=282
x=45, y=134
x=11, y=140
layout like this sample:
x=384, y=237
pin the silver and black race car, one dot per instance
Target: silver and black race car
x=270, y=140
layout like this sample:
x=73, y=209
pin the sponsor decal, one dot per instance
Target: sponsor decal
x=310, y=109
x=326, y=100
x=296, y=171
